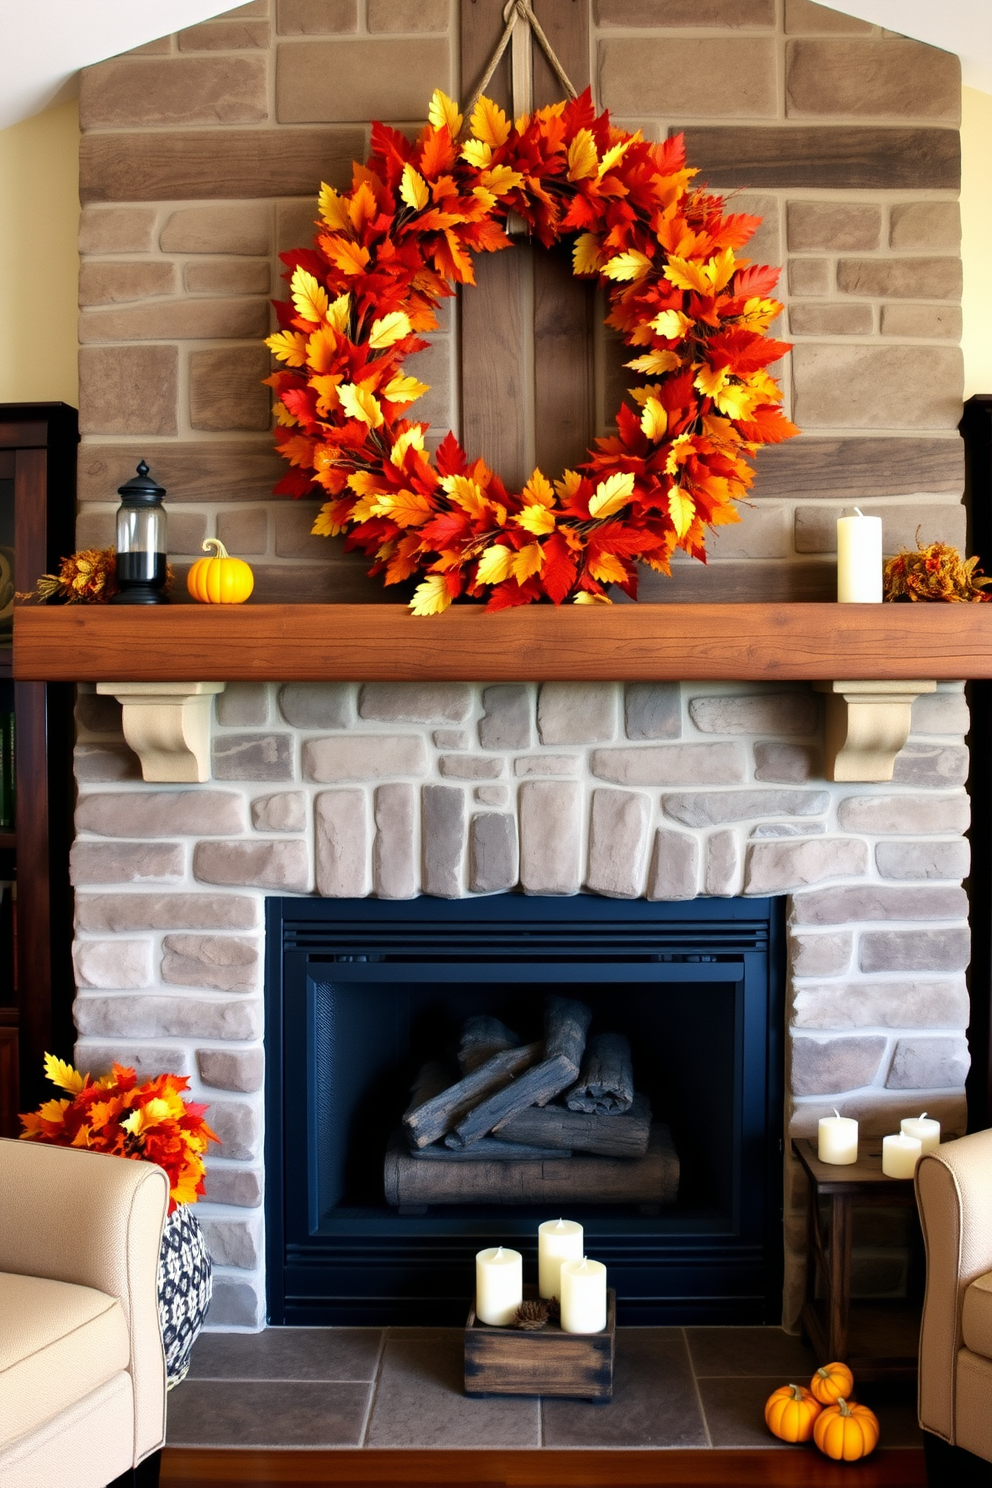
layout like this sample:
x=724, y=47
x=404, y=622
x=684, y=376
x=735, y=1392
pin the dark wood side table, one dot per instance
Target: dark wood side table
x=827, y=1321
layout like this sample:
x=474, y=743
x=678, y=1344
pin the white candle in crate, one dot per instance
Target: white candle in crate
x=900, y=1155
x=557, y=1240
x=837, y=1140
x=924, y=1128
x=583, y=1296
x=859, y=559
x=499, y=1285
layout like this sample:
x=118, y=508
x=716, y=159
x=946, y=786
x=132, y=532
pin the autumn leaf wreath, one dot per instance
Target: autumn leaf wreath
x=391, y=248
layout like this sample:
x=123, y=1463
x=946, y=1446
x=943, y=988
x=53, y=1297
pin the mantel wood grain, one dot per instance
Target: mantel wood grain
x=629, y=643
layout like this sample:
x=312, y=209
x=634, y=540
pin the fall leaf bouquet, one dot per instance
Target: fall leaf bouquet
x=151, y=1122
x=935, y=572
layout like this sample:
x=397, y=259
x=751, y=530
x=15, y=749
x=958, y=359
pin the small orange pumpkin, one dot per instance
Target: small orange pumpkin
x=832, y=1382
x=846, y=1431
x=220, y=579
x=790, y=1413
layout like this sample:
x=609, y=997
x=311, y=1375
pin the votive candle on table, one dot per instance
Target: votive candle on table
x=924, y=1128
x=859, y=559
x=557, y=1240
x=499, y=1285
x=837, y=1140
x=583, y=1296
x=900, y=1155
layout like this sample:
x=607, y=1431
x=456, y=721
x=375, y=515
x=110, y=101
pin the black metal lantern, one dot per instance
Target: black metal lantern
x=141, y=544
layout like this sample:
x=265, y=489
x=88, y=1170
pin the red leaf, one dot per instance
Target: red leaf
x=295, y=483
x=559, y=571
x=450, y=456
x=756, y=281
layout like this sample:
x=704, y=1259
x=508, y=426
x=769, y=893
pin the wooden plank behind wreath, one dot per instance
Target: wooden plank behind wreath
x=527, y=383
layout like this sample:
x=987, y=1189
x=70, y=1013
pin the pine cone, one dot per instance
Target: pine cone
x=531, y=1316
x=554, y=1310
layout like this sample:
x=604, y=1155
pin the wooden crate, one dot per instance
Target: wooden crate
x=506, y=1361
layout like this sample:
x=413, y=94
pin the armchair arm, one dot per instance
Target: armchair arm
x=95, y=1220
x=954, y=1193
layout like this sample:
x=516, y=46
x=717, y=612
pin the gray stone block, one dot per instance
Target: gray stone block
x=459, y=739
x=671, y=764
x=834, y=226
x=492, y=795
x=239, y=1186
x=871, y=901
x=820, y=955
x=929, y=1064
x=147, y=1060
x=923, y=859
x=878, y=1112
x=105, y=763
x=364, y=757
x=546, y=764
x=283, y=811
x=341, y=844
x=394, y=857
x=443, y=839
x=723, y=864
x=907, y=815
x=125, y=862
x=936, y=766
x=238, y=1124
x=234, y=1304
x=114, y=913
x=243, y=703
x=550, y=837
x=577, y=712
x=652, y=710
x=283, y=865
x=113, y=964
x=786, y=764
x=788, y=829
x=763, y=713
x=864, y=1004
x=833, y=1065
x=493, y=853
x=317, y=705
x=145, y=1017
x=710, y=808
x=941, y=712
x=253, y=756
x=781, y=867
x=915, y=950
x=930, y=225
x=96, y=714
x=506, y=723
x=415, y=702
x=470, y=767
x=872, y=387
x=156, y=813
x=674, y=870
x=223, y=963
x=232, y=1069
x=232, y=1242
x=618, y=843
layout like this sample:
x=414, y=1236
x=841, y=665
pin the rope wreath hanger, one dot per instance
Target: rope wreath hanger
x=514, y=11
x=387, y=251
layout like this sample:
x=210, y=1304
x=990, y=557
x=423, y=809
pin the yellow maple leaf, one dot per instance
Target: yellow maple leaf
x=611, y=494
x=631, y=265
x=654, y=420
x=414, y=189
x=289, y=347
x=490, y=124
x=402, y=389
x=362, y=207
x=364, y=483
x=410, y=439
x=339, y=313
x=608, y=569
x=582, y=158
x=332, y=207
x=709, y=379
x=443, y=112
x=758, y=314
x=586, y=254
x=568, y=485
x=537, y=520
x=350, y=258
x=359, y=403
x=539, y=490
x=466, y=493
x=495, y=565
x=477, y=153
x=653, y=363
x=309, y=296
x=487, y=198
x=671, y=324
x=63, y=1075
x=684, y=273
x=500, y=180
x=322, y=350
x=616, y=152
x=326, y=388
x=735, y=400
x=323, y=525
x=721, y=268
x=681, y=509
x=585, y=598
x=407, y=508
x=282, y=415
x=530, y=560
x=390, y=329
x=432, y=596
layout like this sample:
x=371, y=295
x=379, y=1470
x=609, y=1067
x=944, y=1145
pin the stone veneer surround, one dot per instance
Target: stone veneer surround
x=658, y=790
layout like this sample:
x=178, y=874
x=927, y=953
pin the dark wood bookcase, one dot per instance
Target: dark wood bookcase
x=37, y=520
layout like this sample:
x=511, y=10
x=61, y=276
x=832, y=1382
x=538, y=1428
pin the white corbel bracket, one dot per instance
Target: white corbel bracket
x=867, y=724
x=167, y=724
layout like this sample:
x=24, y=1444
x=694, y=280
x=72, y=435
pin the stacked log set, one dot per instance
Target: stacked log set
x=511, y=1123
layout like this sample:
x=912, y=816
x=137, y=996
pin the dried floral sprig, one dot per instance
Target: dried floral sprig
x=86, y=577
x=532, y=1315
x=936, y=572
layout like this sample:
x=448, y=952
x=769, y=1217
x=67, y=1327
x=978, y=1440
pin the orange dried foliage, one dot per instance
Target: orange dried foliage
x=935, y=572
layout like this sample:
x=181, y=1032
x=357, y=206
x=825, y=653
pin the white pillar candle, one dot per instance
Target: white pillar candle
x=557, y=1240
x=900, y=1155
x=924, y=1128
x=859, y=559
x=583, y=1296
x=837, y=1140
x=499, y=1285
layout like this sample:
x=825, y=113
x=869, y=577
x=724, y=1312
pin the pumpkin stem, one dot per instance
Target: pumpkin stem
x=797, y=1394
x=844, y=1408
x=215, y=543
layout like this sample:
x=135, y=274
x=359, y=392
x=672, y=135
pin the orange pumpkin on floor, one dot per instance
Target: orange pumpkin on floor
x=832, y=1383
x=846, y=1431
x=790, y=1413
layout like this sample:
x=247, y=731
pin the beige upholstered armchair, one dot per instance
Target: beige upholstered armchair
x=82, y=1372
x=954, y=1190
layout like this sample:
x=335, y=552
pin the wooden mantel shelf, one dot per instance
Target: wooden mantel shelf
x=312, y=643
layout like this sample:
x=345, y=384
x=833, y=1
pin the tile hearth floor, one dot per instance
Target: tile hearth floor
x=402, y=1387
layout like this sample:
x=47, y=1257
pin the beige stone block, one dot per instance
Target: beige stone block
x=493, y=853
x=874, y=901
x=123, y=94
x=228, y=276
x=820, y=955
x=281, y=866
x=577, y=712
x=153, y=813
x=618, y=843
x=923, y=860
x=492, y=795
x=933, y=226
x=931, y=766
x=408, y=15
x=114, y=913
x=96, y=714
x=294, y=536
x=825, y=1066
x=762, y=532
x=283, y=811
x=226, y=390
x=909, y=815
x=394, y=859
x=546, y=764
x=234, y=1304
x=864, y=1004
x=199, y=470
x=184, y=320
x=128, y=389
x=117, y=229
x=722, y=876
x=225, y=36
x=830, y=320
x=783, y=867
x=915, y=950
x=103, y=283
x=929, y=1064
x=241, y=228
x=147, y=1060
x=713, y=808
x=794, y=712
x=674, y=869
x=105, y=762
x=671, y=764
x=876, y=387
x=364, y=757
x=415, y=702
x=443, y=839
x=221, y=963
x=113, y=964
x=317, y=705
x=316, y=17
x=470, y=767
x=810, y=276
x=930, y=322
x=550, y=837
x=816, y=526
x=232, y=1069
x=244, y=532
x=689, y=77
x=756, y=14
x=803, y=17
x=945, y=711
x=232, y=1242
x=834, y=226
x=238, y=1126
x=341, y=844
x=786, y=764
x=241, y=703
x=901, y=278
x=295, y=223
x=253, y=757
x=766, y=246
x=871, y=79
x=125, y=862
x=358, y=69
x=239, y=1185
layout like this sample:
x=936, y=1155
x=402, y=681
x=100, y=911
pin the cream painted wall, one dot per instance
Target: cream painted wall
x=976, y=244
x=39, y=266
